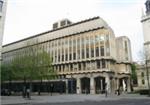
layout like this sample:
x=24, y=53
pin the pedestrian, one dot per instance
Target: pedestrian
x=28, y=93
x=118, y=91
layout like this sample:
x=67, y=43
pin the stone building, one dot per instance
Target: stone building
x=142, y=76
x=2, y=20
x=85, y=54
x=143, y=71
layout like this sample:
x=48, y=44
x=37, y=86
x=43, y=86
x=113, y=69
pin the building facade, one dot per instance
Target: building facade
x=142, y=76
x=2, y=20
x=86, y=55
x=143, y=71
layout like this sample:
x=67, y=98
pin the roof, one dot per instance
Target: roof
x=73, y=24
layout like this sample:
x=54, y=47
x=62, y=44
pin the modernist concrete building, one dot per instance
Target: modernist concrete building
x=2, y=20
x=85, y=54
x=143, y=70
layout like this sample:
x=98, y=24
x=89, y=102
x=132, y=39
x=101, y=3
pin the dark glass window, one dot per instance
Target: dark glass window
x=55, y=25
x=143, y=82
x=62, y=57
x=62, y=23
x=84, y=66
x=87, y=52
x=102, y=50
x=97, y=51
x=66, y=57
x=79, y=66
x=74, y=56
x=71, y=67
x=98, y=64
x=103, y=64
x=1, y=6
x=58, y=58
x=142, y=74
x=70, y=56
x=82, y=53
x=92, y=52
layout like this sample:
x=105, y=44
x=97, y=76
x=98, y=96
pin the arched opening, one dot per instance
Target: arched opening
x=99, y=85
x=123, y=84
x=85, y=85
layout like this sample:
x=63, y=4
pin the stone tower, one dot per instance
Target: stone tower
x=146, y=27
x=2, y=20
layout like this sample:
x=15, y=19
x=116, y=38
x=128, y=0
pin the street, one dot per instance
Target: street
x=126, y=99
x=109, y=102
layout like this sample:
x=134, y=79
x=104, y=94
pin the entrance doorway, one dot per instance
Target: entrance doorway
x=72, y=85
x=99, y=85
x=85, y=85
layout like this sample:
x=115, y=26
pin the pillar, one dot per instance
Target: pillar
x=66, y=86
x=108, y=84
x=128, y=84
x=78, y=86
x=92, y=86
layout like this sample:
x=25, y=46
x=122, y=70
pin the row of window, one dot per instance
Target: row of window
x=89, y=65
x=70, y=48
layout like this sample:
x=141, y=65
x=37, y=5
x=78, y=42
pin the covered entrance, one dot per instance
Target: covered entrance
x=72, y=85
x=99, y=85
x=123, y=84
x=85, y=85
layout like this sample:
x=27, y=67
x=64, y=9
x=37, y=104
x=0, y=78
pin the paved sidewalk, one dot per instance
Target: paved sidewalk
x=14, y=100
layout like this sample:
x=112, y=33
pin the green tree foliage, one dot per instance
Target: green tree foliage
x=34, y=64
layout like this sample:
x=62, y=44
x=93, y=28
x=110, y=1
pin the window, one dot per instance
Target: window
x=62, y=23
x=142, y=74
x=79, y=66
x=82, y=53
x=87, y=52
x=74, y=56
x=102, y=50
x=66, y=57
x=55, y=25
x=1, y=6
x=97, y=51
x=98, y=64
x=103, y=64
x=143, y=82
x=58, y=58
x=70, y=56
x=102, y=38
x=92, y=52
x=62, y=57
x=84, y=65
x=71, y=67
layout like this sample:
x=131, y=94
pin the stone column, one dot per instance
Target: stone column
x=101, y=84
x=94, y=47
x=128, y=85
x=68, y=50
x=108, y=84
x=66, y=86
x=92, y=86
x=89, y=46
x=76, y=48
x=78, y=86
x=80, y=48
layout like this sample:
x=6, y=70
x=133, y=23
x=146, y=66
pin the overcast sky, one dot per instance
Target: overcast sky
x=25, y=18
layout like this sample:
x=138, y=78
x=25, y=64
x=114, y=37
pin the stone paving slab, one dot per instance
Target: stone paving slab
x=14, y=100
